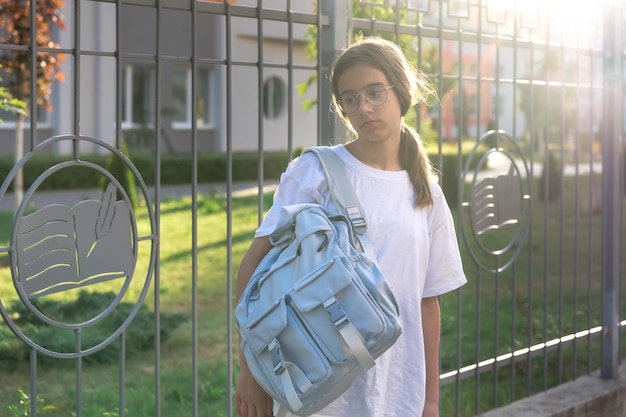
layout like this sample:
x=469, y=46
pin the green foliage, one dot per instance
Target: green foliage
x=140, y=334
x=122, y=172
x=426, y=59
x=23, y=408
x=9, y=103
x=450, y=179
x=449, y=164
x=175, y=169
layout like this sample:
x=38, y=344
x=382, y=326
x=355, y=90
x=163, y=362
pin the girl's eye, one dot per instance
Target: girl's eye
x=374, y=93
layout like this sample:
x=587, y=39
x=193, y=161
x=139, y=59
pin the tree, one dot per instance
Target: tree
x=8, y=103
x=426, y=60
x=15, y=30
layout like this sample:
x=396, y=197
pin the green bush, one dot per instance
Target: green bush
x=140, y=335
x=212, y=168
x=117, y=167
x=174, y=169
x=450, y=178
x=446, y=162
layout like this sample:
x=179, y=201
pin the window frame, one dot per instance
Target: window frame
x=187, y=123
x=128, y=118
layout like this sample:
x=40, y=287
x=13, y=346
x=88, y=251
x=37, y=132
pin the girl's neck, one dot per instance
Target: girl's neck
x=381, y=155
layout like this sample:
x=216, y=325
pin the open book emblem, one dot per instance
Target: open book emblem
x=59, y=248
x=497, y=202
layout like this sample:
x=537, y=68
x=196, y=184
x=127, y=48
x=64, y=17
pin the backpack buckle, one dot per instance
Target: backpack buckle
x=278, y=361
x=356, y=218
x=337, y=314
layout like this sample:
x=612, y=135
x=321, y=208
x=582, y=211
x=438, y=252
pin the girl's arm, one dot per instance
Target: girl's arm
x=250, y=399
x=431, y=322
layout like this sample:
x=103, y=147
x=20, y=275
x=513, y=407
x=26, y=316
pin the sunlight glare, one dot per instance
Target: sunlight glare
x=568, y=16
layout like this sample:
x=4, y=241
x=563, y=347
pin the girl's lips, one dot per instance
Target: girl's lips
x=369, y=124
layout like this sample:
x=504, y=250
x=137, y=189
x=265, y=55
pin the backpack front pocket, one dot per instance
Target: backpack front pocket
x=283, y=344
x=332, y=299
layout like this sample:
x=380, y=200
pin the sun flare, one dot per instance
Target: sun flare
x=570, y=16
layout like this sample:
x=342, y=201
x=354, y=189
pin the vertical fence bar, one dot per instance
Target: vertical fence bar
x=590, y=228
x=77, y=106
x=514, y=290
x=76, y=69
x=497, y=275
x=612, y=193
x=229, y=202
x=122, y=376
x=194, y=212
x=33, y=87
x=331, y=41
x=79, y=374
x=33, y=381
x=546, y=206
x=290, y=82
x=575, y=278
x=260, y=110
x=157, y=214
x=532, y=150
x=561, y=208
x=118, y=136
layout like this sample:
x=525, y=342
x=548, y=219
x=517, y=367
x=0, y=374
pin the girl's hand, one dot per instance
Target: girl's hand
x=250, y=399
x=430, y=410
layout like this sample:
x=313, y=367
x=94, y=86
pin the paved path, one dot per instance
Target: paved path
x=497, y=165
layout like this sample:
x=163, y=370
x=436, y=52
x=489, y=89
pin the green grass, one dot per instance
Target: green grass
x=553, y=289
x=499, y=313
x=101, y=382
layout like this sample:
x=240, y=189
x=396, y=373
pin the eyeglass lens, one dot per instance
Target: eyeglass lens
x=376, y=96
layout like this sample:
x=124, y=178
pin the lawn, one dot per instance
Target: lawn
x=552, y=289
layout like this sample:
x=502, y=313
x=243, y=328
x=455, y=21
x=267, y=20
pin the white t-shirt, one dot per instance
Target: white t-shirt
x=418, y=253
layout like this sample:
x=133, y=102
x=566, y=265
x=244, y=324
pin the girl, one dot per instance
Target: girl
x=410, y=228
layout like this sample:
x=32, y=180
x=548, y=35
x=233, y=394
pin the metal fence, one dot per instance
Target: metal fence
x=527, y=135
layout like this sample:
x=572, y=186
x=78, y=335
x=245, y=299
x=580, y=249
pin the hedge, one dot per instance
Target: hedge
x=176, y=169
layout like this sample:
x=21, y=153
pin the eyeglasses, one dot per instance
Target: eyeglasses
x=375, y=95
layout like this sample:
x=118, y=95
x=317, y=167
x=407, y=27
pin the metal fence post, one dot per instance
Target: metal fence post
x=612, y=190
x=331, y=40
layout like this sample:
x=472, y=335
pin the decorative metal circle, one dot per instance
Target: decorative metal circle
x=65, y=248
x=496, y=202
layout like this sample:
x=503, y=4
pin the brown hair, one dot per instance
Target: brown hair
x=411, y=87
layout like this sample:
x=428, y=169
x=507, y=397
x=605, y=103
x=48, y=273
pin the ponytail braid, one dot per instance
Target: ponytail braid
x=415, y=161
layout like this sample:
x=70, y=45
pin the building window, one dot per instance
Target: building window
x=138, y=96
x=273, y=97
x=182, y=84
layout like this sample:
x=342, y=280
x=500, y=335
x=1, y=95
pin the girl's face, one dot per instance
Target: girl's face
x=371, y=123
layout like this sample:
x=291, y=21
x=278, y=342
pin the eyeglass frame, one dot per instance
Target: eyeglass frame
x=362, y=93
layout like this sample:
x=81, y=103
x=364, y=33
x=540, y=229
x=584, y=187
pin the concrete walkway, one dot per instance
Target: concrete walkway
x=498, y=164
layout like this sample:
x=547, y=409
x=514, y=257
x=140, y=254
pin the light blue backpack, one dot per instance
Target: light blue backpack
x=317, y=310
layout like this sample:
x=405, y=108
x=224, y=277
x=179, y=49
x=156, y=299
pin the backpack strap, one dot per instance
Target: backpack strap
x=289, y=373
x=343, y=193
